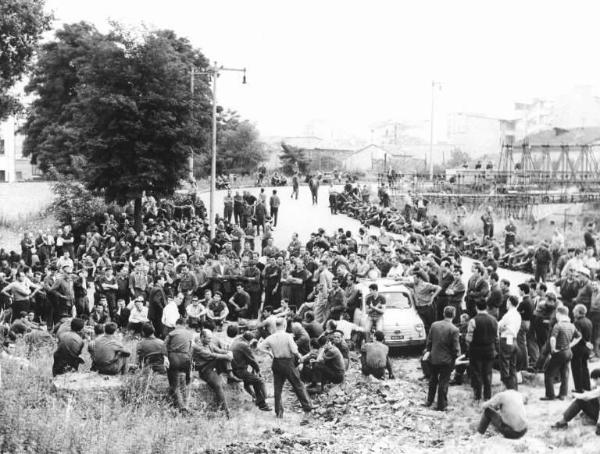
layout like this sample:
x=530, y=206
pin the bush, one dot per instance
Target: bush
x=74, y=204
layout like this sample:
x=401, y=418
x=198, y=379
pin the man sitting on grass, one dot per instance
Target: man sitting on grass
x=587, y=402
x=506, y=412
x=109, y=356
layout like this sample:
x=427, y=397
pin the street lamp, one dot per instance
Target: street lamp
x=214, y=71
x=433, y=85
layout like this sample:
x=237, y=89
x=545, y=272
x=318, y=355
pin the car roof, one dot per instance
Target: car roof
x=384, y=285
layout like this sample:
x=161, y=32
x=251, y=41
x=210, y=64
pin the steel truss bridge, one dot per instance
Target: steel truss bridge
x=526, y=176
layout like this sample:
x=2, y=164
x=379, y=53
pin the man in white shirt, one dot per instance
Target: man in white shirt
x=195, y=313
x=508, y=328
x=138, y=315
x=171, y=314
x=397, y=270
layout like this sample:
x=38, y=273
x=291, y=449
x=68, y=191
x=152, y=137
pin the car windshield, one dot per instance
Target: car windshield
x=396, y=300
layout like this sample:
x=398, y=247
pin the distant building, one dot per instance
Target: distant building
x=578, y=108
x=13, y=166
x=479, y=135
x=324, y=156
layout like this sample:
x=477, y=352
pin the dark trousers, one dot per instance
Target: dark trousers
x=253, y=382
x=178, y=375
x=228, y=213
x=589, y=407
x=481, y=377
x=214, y=382
x=439, y=380
x=557, y=365
x=541, y=331
x=541, y=270
x=426, y=314
x=323, y=374
x=579, y=368
x=255, y=296
x=237, y=216
x=492, y=416
x=508, y=364
x=522, y=355
x=285, y=369
x=274, y=215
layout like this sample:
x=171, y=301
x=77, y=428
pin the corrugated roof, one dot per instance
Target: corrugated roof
x=560, y=136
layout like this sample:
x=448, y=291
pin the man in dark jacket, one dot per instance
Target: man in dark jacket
x=482, y=339
x=443, y=347
x=243, y=358
x=157, y=300
x=477, y=289
x=70, y=345
x=494, y=298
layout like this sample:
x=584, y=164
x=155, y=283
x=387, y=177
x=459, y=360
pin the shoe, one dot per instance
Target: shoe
x=233, y=379
x=427, y=404
x=442, y=408
x=265, y=408
x=561, y=397
x=559, y=425
x=546, y=398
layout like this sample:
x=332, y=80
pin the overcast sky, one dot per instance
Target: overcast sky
x=356, y=62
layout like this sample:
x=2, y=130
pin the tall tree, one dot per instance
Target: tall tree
x=50, y=135
x=292, y=157
x=133, y=115
x=22, y=23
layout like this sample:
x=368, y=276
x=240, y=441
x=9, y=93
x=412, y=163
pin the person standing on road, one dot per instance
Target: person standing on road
x=295, y=186
x=443, y=347
x=274, y=203
x=488, y=223
x=228, y=206
x=281, y=347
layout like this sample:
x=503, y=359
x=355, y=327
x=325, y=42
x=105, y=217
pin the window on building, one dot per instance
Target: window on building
x=2, y=176
x=19, y=175
x=1, y=147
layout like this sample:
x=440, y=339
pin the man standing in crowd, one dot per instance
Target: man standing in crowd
x=482, y=337
x=508, y=329
x=178, y=344
x=442, y=349
x=562, y=338
x=243, y=358
x=280, y=346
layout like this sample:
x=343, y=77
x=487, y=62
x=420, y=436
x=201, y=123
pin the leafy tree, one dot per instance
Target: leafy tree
x=50, y=135
x=119, y=114
x=133, y=113
x=291, y=157
x=457, y=158
x=240, y=148
x=22, y=23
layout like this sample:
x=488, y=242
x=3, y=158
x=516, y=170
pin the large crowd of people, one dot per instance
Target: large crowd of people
x=195, y=303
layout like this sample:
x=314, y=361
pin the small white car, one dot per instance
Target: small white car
x=401, y=323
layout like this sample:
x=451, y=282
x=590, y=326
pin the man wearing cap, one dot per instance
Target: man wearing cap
x=70, y=345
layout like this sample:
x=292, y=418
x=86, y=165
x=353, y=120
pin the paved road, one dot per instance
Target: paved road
x=302, y=217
